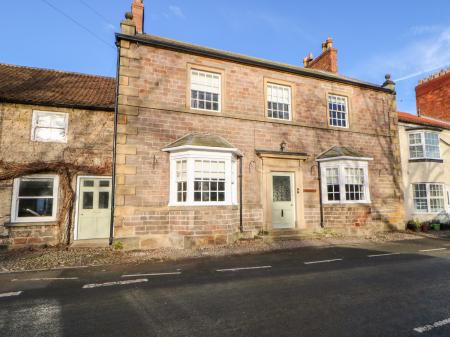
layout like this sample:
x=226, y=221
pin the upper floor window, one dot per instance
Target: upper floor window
x=35, y=198
x=428, y=198
x=338, y=111
x=424, y=145
x=345, y=181
x=205, y=90
x=278, y=101
x=49, y=126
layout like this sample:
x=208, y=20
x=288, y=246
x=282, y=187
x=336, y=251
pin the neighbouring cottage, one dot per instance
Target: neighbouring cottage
x=433, y=96
x=214, y=145
x=56, y=138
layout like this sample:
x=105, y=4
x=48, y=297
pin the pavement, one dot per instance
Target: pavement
x=391, y=289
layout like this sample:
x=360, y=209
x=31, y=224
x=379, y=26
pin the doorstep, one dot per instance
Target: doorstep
x=90, y=243
x=291, y=234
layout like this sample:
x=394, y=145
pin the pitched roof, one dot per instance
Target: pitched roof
x=341, y=151
x=413, y=119
x=162, y=42
x=196, y=139
x=28, y=85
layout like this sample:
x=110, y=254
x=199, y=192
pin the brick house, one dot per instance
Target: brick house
x=433, y=96
x=214, y=145
x=56, y=136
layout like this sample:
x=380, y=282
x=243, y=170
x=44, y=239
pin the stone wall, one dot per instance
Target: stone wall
x=154, y=111
x=90, y=136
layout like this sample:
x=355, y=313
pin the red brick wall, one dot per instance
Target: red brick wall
x=326, y=61
x=433, y=97
x=153, y=112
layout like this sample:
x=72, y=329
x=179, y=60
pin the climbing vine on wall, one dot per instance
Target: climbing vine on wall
x=66, y=171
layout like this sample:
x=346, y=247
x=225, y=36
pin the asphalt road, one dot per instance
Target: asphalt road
x=393, y=289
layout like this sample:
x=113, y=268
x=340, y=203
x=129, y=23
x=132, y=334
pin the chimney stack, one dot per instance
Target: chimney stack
x=137, y=8
x=326, y=61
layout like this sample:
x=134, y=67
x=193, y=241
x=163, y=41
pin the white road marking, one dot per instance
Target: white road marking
x=432, y=250
x=243, y=268
x=153, y=274
x=16, y=293
x=384, y=254
x=107, y=284
x=322, y=261
x=429, y=327
x=45, y=279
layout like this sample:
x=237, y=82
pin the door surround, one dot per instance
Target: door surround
x=77, y=201
x=280, y=161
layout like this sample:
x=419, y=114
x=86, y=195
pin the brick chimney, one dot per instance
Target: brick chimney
x=137, y=9
x=326, y=61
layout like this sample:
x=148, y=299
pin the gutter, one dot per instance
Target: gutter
x=58, y=105
x=247, y=60
x=113, y=180
x=320, y=196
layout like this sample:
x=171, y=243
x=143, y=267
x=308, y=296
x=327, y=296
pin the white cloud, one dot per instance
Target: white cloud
x=175, y=10
x=428, y=50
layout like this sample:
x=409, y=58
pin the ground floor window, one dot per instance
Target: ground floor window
x=345, y=181
x=203, y=178
x=35, y=198
x=428, y=197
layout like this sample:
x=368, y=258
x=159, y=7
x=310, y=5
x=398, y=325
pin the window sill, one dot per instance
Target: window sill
x=29, y=224
x=184, y=206
x=347, y=203
x=426, y=160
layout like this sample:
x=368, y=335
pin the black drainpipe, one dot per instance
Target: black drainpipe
x=113, y=182
x=320, y=196
x=241, y=225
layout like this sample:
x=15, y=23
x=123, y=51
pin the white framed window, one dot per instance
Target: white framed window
x=424, y=145
x=345, y=181
x=205, y=90
x=338, y=111
x=428, y=197
x=49, y=126
x=279, y=101
x=202, y=178
x=35, y=198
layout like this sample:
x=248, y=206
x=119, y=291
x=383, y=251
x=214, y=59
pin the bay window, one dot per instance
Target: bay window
x=202, y=178
x=345, y=181
x=428, y=197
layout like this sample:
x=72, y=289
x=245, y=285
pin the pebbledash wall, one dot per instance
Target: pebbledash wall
x=154, y=111
x=89, y=140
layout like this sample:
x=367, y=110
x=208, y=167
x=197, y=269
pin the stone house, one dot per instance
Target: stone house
x=56, y=139
x=214, y=145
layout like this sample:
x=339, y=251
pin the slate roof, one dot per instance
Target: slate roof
x=197, y=139
x=341, y=151
x=39, y=86
x=162, y=42
x=413, y=119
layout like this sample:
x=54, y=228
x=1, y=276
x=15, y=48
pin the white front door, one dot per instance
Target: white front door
x=94, y=207
x=283, y=200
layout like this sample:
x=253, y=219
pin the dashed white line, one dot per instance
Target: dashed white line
x=242, y=268
x=15, y=293
x=153, y=274
x=107, y=284
x=432, y=250
x=429, y=327
x=322, y=261
x=45, y=279
x=384, y=254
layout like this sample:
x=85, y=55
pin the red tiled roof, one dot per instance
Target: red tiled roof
x=56, y=88
x=413, y=119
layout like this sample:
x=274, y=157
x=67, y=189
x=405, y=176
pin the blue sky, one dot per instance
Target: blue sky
x=409, y=39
